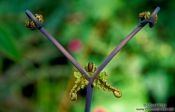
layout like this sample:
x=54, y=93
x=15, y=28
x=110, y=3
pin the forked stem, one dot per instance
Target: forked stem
x=104, y=63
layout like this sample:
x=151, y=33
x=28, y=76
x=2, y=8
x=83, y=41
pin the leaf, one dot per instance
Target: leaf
x=77, y=75
x=8, y=44
x=103, y=76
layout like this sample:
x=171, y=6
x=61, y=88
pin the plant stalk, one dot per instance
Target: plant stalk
x=122, y=44
x=57, y=44
x=89, y=91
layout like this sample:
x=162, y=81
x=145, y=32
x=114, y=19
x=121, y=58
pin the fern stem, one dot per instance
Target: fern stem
x=57, y=44
x=122, y=44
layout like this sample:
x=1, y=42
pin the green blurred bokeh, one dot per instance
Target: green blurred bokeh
x=36, y=77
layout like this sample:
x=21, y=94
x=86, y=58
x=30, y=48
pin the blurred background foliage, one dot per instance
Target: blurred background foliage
x=36, y=77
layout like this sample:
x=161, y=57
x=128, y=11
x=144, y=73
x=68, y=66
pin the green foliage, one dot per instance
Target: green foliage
x=8, y=44
x=100, y=82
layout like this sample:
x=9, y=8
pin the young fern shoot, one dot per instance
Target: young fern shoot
x=100, y=82
x=91, y=76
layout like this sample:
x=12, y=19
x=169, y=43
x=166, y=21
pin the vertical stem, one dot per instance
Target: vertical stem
x=88, y=96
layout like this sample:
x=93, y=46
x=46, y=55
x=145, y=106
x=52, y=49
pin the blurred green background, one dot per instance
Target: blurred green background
x=36, y=77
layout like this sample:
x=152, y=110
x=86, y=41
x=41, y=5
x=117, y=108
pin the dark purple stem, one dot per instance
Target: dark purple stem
x=155, y=11
x=115, y=51
x=104, y=63
x=57, y=44
x=63, y=50
x=120, y=46
x=89, y=91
